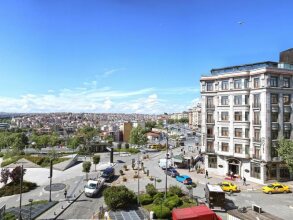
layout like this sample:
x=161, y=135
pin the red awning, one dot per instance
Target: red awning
x=194, y=213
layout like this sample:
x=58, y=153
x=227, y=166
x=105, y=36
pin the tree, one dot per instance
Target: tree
x=86, y=167
x=285, y=150
x=96, y=160
x=151, y=190
x=149, y=125
x=74, y=142
x=137, y=136
x=5, y=174
x=15, y=174
x=118, y=197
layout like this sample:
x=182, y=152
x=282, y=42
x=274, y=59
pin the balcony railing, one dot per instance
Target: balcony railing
x=210, y=121
x=210, y=136
x=256, y=105
x=210, y=150
x=256, y=156
x=210, y=106
x=256, y=139
x=256, y=122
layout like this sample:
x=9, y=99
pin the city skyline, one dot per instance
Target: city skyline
x=127, y=56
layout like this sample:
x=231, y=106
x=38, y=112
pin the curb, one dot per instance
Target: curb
x=63, y=210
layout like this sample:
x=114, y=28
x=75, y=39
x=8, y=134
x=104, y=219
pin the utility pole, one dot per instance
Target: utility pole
x=166, y=182
x=20, y=195
x=138, y=162
x=51, y=175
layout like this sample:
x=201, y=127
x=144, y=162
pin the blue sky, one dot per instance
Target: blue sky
x=142, y=56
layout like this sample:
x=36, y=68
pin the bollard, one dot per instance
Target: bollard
x=73, y=195
x=54, y=213
x=62, y=207
x=148, y=172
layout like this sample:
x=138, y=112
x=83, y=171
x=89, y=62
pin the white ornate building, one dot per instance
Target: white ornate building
x=245, y=109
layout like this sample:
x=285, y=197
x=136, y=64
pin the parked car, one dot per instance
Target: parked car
x=228, y=186
x=108, y=173
x=184, y=179
x=276, y=188
x=93, y=187
x=172, y=172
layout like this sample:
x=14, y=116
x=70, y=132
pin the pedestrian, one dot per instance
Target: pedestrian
x=244, y=181
x=189, y=168
x=206, y=175
x=65, y=193
x=184, y=152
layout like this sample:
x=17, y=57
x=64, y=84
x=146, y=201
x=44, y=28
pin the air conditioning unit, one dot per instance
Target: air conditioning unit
x=256, y=208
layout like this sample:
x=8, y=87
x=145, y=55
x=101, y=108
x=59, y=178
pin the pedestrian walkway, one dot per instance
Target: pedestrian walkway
x=215, y=179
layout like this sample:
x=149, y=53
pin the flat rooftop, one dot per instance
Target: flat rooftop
x=244, y=67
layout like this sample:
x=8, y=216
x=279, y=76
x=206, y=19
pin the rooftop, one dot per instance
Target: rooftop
x=245, y=67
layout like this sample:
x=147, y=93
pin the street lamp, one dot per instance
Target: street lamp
x=138, y=163
x=167, y=146
x=31, y=202
x=20, y=194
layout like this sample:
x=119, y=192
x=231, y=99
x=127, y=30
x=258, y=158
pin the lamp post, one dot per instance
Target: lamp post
x=31, y=202
x=138, y=163
x=20, y=194
x=166, y=181
x=51, y=175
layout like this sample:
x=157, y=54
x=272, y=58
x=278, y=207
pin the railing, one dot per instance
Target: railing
x=210, y=150
x=211, y=121
x=210, y=136
x=256, y=122
x=256, y=156
x=255, y=139
x=212, y=106
x=256, y=105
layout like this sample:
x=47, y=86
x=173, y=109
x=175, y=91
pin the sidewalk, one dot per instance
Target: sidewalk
x=215, y=179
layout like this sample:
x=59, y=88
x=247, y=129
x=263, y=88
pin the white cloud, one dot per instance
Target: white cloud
x=93, y=99
x=111, y=72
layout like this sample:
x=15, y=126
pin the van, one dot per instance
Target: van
x=215, y=197
x=108, y=174
x=93, y=187
x=163, y=162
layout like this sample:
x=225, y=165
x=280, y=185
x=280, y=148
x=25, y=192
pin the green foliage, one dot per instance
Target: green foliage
x=96, y=159
x=172, y=202
x=181, y=120
x=118, y=197
x=15, y=140
x=14, y=188
x=176, y=190
x=145, y=199
x=149, y=125
x=1, y=154
x=10, y=160
x=285, y=150
x=162, y=212
x=44, y=161
x=137, y=136
x=86, y=166
x=87, y=133
x=151, y=190
x=74, y=142
x=194, y=185
x=9, y=216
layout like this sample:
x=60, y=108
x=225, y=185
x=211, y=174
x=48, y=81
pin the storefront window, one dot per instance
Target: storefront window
x=212, y=162
x=255, y=170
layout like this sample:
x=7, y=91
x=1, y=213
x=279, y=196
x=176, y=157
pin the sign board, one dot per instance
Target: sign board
x=109, y=148
x=2, y=212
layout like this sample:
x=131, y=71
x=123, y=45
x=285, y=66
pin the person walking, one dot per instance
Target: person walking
x=65, y=193
x=244, y=181
x=206, y=175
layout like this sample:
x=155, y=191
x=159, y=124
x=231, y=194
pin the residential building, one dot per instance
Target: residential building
x=245, y=110
x=194, y=117
x=126, y=128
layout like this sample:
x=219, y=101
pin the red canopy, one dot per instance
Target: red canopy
x=194, y=213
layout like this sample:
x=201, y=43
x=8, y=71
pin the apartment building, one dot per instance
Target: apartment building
x=194, y=117
x=245, y=110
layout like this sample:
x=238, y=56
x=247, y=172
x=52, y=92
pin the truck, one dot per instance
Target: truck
x=215, y=197
x=163, y=163
x=93, y=187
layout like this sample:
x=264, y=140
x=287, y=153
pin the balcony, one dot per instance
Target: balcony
x=210, y=106
x=256, y=156
x=210, y=121
x=210, y=150
x=275, y=108
x=275, y=126
x=256, y=122
x=256, y=105
x=210, y=136
x=256, y=139
x=287, y=126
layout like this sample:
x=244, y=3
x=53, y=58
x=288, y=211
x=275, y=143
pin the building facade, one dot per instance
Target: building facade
x=245, y=110
x=194, y=117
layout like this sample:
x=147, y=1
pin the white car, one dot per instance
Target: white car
x=93, y=187
x=163, y=162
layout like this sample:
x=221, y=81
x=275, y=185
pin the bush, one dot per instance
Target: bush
x=124, y=179
x=159, y=180
x=194, y=185
x=145, y=199
x=118, y=197
x=1, y=154
x=125, y=167
x=14, y=188
x=176, y=190
x=121, y=172
x=172, y=202
x=162, y=212
x=151, y=190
